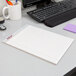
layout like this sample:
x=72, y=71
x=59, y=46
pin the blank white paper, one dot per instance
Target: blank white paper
x=41, y=43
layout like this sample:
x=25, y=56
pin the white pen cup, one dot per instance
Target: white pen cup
x=14, y=12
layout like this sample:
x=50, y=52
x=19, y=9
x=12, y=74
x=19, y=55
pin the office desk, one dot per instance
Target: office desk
x=14, y=62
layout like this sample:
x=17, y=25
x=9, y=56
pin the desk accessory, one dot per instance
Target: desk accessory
x=16, y=1
x=71, y=28
x=44, y=44
x=14, y=12
x=2, y=27
x=9, y=2
x=71, y=73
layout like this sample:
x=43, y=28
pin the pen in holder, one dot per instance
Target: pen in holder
x=14, y=12
x=16, y=1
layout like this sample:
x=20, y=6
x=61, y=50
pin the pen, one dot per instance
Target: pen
x=16, y=1
x=9, y=2
x=6, y=1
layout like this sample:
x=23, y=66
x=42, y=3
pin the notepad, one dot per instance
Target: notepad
x=71, y=28
x=43, y=44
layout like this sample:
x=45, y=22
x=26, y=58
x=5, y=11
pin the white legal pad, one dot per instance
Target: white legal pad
x=44, y=44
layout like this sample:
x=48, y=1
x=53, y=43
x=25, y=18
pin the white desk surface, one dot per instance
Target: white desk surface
x=14, y=62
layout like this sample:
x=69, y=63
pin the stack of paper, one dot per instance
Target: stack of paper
x=44, y=44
